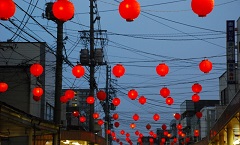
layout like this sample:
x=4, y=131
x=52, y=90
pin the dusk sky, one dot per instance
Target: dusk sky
x=166, y=31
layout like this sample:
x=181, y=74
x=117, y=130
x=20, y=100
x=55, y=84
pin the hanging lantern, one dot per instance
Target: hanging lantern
x=36, y=98
x=165, y=133
x=63, y=10
x=169, y=135
x=180, y=132
x=90, y=100
x=118, y=70
x=132, y=125
x=116, y=101
x=135, y=117
x=95, y=115
x=142, y=100
x=37, y=91
x=154, y=135
x=163, y=140
x=148, y=126
x=175, y=140
x=187, y=139
x=162, y=69
x=132, y=94
x=122, y=132
x=140, y=135
x=169, y=100
x=179, y=126
x=156, y=117
x=195, y=98
x=196, y=133
x=115, y=116
x=3, y=87
x=36, y=69
x=137, y=132
x=205, y=66
x=113, y=134
x=82, y=119
x=202, y=7
x=63, y=99
x=151, y=140
x=151, y=133
x=164, y=92
x=177, y=116
x=164, y=127
x=199, y=115
x=129, y=10
x=100, y=122
x=108, y=131
x=127, y=134
x=7, y=9
x=196, y=88
x=183, y=135
x=101, y=95
x=75, y=113
x=78, y=71
x=69, y=94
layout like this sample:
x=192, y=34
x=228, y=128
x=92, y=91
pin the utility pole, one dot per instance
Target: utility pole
x=106, y=109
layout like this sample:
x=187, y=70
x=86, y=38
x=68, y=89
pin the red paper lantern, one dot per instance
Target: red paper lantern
x=127, y=135
x=132, y=125
x=36, y=69
x=177, y=116
x=95, y=115
x=7, y=9
x=69, y=94
x=82, y=119
x=78, y=71
x=169, y=135
x=163, y=140
x=37, y=91
x=164, y=127
x=116, y=124
x=140, y=135
x=148, y=126
x=179, y=126
x=90, y=100
x=151, y=133
x=142, y=100
x=36, y=98
x=122, y=132
x=129, y=10
x=108, y=131
x=135, y=117
x=174, y=140
x=63, y=10
x=196, y=133
x=162, y=69
x=199, y=115
x=205, y=66
x=132, y=94
x=63, y=99
x=115, y=116
x=154, y=135
x=151, y=140
x=3, y=87
x=100, y=122
x=202, y=7
x=195, y=98
x=187, y=139
x=137, y=132
x=156, y=117
x=101, y=95
x=169, y=100
x=75, y=113
x=165, y=133
x=164, y=92
x=116, y=101
x=196, y=88
x=118, y=70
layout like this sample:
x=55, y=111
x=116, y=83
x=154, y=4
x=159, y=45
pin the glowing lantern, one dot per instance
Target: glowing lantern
x=154, y=135
x=116, y=124
x=127, y=135
x=108, y=131
x=116, y=101
x=137, y=132
x=37, y=91
x=183, y=135
x=3, y=87
x=163, y=140
x=115, y=116
x=180, y=132
x=122, y=132
x=196, y=88
x=132, y=94
x=164, y=127
x=78, y=71
x=140, y=135
x=75, y=113
x=69, y=94
x=118, y=70
x=156, y=117
x=7, y=9
x=195, y=98
x=174, y=140
x=90, y=99
x=177, y=116
x=202, y=7
x=196, y=133
x=162, y=69
x=63, y=10
x=132, y=125
x=113, y=134
x=36, y=69
x=165, y=133
x=205, y=66
x=63, y=99
x=164, y=92
x=100, y=122
x=129, y=10
x=82, y=119
x=151, y=133
x=135, y=117
x=151, y=140
x=169, y=100
x=142, y=100
x=95, y=115
x=187, y=139
x=199, y=115
x=169, y=135
x=101, y=95
x=35, y=98
x=148, y=126
x=179, y=126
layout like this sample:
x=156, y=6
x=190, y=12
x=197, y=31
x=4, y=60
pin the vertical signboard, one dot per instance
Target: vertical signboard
x=231, y=73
